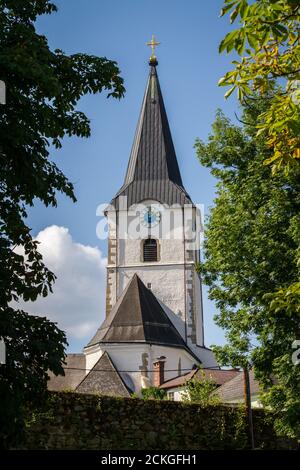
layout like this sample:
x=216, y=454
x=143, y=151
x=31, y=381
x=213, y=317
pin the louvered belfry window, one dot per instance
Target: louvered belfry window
x=150, y=250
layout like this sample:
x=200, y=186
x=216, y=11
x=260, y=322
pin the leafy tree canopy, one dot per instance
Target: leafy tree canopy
x=251, y=259
x=267, y=42
x=200, y=390
x=153, y=393
x=43, y=89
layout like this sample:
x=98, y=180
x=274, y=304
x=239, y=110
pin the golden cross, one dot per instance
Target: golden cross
x=153, y=45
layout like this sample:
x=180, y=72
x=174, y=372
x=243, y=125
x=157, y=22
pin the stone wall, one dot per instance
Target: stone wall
x=74, y=421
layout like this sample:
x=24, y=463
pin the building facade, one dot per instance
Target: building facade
x=153, y=330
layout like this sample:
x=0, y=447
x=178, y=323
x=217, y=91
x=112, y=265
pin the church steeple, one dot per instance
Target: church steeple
x=153, y=171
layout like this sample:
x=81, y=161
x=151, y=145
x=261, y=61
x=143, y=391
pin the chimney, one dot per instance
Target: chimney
x=159, y=371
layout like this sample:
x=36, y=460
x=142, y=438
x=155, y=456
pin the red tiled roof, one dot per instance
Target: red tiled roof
x=179, y=381
x=218, y=375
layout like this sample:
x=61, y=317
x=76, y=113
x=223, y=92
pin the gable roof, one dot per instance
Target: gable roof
x=74, y=369
x=179, y=381
x=217, y=375
x=138, y=317
x=103, y=378
x=234, y=388
x=153, y=171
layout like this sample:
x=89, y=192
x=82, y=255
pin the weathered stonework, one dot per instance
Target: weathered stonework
x=110, y=297
x=77, y=421
x=191, y=314
x=111, y=272
x=144, y=366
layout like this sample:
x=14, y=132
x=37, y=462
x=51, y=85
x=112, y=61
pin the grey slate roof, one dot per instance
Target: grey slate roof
x=104, y=379
x=138, y=317
x=74, y=373
x=153, y=171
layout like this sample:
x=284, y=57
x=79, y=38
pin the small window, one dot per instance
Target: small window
x=171, y=396
x=149, y=285
x=150, y=250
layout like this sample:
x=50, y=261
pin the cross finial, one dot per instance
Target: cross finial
x=153, y=45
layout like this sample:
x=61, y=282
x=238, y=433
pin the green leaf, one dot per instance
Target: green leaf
x=234, y=14
x=244, y=8
x=226, y=8
x=253, y=42
x=230, y=91
x=228, y=41
x=223, y=81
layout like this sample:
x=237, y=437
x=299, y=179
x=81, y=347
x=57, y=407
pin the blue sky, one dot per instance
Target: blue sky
x=189, y=69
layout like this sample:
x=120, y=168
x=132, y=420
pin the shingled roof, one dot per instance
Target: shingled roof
x=104, y=379
x=153, y=171
x=138, y=317
x=217, y=375
x=74, y=369
x=233, y=390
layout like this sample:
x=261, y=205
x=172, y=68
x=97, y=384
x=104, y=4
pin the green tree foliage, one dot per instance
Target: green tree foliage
x=251, y=262
x=153, y=393
x=268, y=42
x=200, y=390
x=43, y=88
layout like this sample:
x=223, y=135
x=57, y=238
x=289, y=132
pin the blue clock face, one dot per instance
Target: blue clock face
x=150, y=217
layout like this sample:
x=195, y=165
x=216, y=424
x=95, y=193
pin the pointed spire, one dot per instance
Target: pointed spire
x=153, y=171
x=153, y=154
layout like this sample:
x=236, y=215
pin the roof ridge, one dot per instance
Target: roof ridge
x=138, y=280
x=168, y=323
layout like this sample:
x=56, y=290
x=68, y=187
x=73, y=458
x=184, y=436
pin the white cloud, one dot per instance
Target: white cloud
x=77, y=302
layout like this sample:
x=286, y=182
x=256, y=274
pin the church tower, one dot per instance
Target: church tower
x=153, y=294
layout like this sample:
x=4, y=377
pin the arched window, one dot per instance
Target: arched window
x=150, y=250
